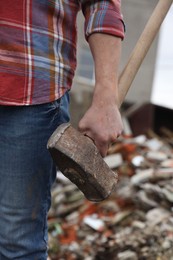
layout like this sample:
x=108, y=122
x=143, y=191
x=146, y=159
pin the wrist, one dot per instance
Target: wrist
x=106, y=93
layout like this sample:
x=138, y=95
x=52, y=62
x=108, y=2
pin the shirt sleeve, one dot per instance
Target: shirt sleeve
x=103, y=17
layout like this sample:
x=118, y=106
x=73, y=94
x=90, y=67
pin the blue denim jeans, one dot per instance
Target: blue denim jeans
x=26, y=175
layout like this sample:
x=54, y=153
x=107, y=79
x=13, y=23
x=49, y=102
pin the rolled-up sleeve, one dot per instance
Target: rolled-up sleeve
x=103, y=17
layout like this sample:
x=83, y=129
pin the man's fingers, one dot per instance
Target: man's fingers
x=102, y=142
x=102, y=147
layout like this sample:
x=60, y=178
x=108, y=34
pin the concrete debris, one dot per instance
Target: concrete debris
x=127, y=255
x=135, y=222
x=95, y=223
x=138, y=161
x=114, y=160
x=156, y=216
x=154, y=144
x=156, y=156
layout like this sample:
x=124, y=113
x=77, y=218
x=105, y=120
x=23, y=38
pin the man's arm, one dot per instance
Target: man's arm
x=102, y=122
x=104, y=30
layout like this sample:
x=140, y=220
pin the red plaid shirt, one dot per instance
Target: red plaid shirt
x=38, y=45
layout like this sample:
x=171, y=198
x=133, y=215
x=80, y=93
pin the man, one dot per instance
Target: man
x=37, y=64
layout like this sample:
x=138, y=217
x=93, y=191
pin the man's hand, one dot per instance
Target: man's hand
x=102, y=122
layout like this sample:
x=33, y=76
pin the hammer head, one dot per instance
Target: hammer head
x=79, y=160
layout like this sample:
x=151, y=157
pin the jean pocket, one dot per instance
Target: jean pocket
x=53, y=108
x=56, y=104
x=60, y=109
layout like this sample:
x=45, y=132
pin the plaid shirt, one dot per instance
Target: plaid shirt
x=38, y=45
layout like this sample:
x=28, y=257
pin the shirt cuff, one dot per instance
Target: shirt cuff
x=101, y=21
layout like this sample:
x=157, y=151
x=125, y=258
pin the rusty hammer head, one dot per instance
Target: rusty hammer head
x=79, y=160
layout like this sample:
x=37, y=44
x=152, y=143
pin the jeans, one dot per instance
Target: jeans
x=26, y=175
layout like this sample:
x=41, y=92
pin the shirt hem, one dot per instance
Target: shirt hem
x=4, y=102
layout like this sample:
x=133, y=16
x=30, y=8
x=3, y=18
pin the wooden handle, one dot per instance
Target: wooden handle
x=139, y=52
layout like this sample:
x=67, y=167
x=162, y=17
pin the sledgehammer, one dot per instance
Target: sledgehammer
x=75, y=154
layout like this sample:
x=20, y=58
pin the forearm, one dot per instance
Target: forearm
x=106, y=51
x=102, y=122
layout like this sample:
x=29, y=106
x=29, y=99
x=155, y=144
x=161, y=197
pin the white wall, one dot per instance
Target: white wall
x=162, y=92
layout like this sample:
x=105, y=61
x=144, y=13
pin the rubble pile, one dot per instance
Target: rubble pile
x=135, y=222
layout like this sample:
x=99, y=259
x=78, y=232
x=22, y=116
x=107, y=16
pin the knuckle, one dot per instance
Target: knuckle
x=81, y=126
